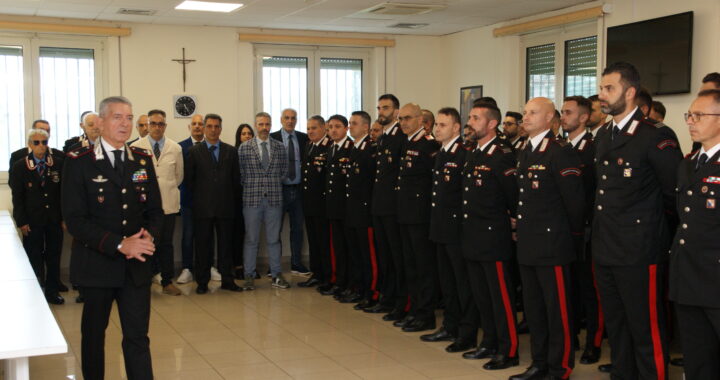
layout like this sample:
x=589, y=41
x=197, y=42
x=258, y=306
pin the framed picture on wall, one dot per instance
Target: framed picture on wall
x=467, y=96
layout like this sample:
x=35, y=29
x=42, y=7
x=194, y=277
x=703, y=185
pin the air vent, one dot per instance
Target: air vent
x=136, y=12
x=405, y=25
x=389, y=11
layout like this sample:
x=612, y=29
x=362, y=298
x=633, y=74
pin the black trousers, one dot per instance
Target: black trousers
x=203, y=231
x=700, y=341
x=134, y=311
x=393, y=285
x=586, y=301
x=546, y=291
x=633, y=306
x=164, y=257
x=420, y=266
x=338, y=253
x=238, y=237
x=318, y=236
x=43, y=246
x=363, y=261
x=492, y=288
x=461, y=317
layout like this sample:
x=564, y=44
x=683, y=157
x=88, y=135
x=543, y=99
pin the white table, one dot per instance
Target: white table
x=27, y=326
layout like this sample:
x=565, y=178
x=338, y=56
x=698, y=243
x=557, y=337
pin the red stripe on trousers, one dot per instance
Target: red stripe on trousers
x=373, y=263
x=332, y=257
x=601, y=318
x=654, y=328
x=508, y=310
x=560, y=281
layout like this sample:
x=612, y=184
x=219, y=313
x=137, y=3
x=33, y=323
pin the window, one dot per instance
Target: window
x=541, y=71
x=12, y=105
x=340, y=86
x=581, y=66
x=285, y=86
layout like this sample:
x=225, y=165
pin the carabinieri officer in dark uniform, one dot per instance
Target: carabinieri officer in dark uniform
x=112, y=208
x=695, y=256
x=413, y=205
x=550, y=231
x=460, y=317
x=490, y=196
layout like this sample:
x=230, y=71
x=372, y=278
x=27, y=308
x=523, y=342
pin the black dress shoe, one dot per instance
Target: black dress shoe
x=365, y=304
x=419, y=325
x=352, y=297
x=532, y=373
x=231, y=286
x=394, y=315
x=330, y=291
x=501, y=362
x=405, y=321
x=460, y=345
x=523, y=328
x=55, y=298
x=591, y=355
x=309, y=283
x=201, y=289
x=239, y=273
x=480, y=353
x=441, y=335
x=62, y=287
x=605, y=368
x=378, y=309
x=324, y=287
x=342, y=294
x=678, y=362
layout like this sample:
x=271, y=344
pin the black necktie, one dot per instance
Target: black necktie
x=701, y=161
x=291, y=158
x=616, y=131
x=156, y=150
x=41, y=172
x=529, y=146
x=118, y=161
x=334, y=150
x=213, y=148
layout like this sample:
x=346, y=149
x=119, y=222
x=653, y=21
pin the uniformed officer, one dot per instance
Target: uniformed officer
x=636, y=167
x=336, y=167
x=413, y=205
x=112, y=208
x=313, y=196
x=363, y=266
x=512, y=127
x=695, y=256
x=550, y=230
x=490, y=196
x=35, y=185
x=460, y=318
x=90, y=132
x=393, y=288
x=574, y=114
x=25, y=151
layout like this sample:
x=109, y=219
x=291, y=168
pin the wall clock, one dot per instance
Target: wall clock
x=185, y=105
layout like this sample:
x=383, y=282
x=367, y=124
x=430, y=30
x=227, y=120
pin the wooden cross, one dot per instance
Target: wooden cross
x=184, y=62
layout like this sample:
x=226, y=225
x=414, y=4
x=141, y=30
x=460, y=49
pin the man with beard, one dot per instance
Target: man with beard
x=597, y=117
x=514, y=132
x=636, y=174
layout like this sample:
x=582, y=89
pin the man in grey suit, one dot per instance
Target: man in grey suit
x=263, y=166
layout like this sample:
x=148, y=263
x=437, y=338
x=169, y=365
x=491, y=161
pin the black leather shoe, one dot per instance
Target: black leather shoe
x=418, y=325
x=394, y=315
x=342, y=294
x=364, y=304
x=324, y=287
x=309, y=283
x=480, y=353
x=352, y=297
x=231, y=286
x=201, y=289
x=678, y=362
x=441, y=335
x=591, y=355
x=55, y=299
x=501, y=362
x=240, y=273
x=331, y=291
x=460, y=345
x=532, y=373
x=404, y=322
x=62, y=287
x=378, y=309
x=605, y=368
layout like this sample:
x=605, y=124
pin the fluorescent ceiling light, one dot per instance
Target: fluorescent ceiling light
x=208, y=6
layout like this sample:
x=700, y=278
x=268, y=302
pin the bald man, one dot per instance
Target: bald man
x=550, y=230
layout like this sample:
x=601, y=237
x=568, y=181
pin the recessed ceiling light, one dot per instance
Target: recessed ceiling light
x=208, y=6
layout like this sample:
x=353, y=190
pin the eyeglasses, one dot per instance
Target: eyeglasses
x=696, y=116
x=155, y=124
x=38, y=142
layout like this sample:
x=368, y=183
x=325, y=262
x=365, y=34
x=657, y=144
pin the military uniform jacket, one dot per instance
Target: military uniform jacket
x=36, y=200
x=489, y=199
x=445, y=213
x=336, y=167
x=636, y=178
x=360, y=180
x=313, y=177
x=586, y=151
x=551, y=206
x=100, y=208
x=389, y=150
x=415, y=179
x=695, y=255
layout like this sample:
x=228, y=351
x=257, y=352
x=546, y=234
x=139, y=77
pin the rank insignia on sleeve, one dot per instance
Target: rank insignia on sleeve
x=570, y=171
x=666, y=143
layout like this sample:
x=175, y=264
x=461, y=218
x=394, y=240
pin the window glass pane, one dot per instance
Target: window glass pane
x=67, y=89
x=581, y=66
x=541, y=71
x=340, y=86
x=285, y=86
x=12, y=103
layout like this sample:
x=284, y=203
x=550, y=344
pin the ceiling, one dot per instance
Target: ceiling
x=321, y=15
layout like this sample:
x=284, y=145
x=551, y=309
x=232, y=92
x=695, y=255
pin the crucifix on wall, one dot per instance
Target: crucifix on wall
x=184, y=63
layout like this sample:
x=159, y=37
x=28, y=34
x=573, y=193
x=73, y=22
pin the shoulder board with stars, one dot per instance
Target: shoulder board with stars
x=81, y=151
